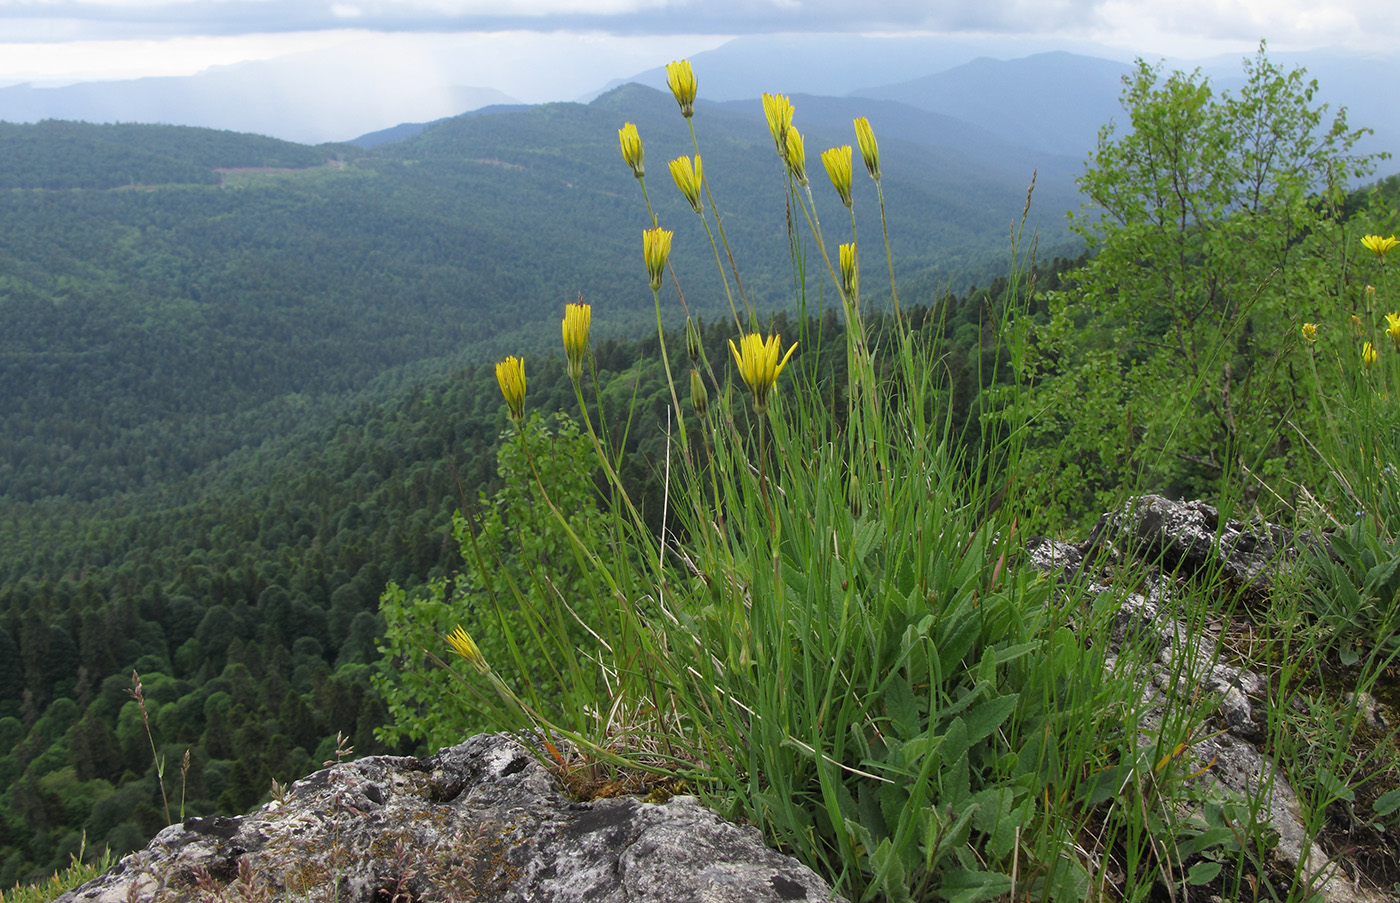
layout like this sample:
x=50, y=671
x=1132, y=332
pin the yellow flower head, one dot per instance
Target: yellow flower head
x=682, y=84
x=777, y=109
x=656, y=248
x=688, y=179
x=796, y=157
x=837, y=161
x=1310, y=332
x=1368, y=355
x=631, y=143
x=1379, y=246
x=1392, y=327
x=869, y=149
x=510, y=374
x=466, y=647
x=849, y=276
x=757, y=359
x=577, y=319
x=699, y=397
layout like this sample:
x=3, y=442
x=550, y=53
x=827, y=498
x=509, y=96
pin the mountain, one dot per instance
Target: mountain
x=175, y=295
x=283, y=97
x=1050, y=101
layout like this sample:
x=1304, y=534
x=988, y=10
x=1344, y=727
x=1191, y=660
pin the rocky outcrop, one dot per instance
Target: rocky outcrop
x=1159, y=541
x=480, y=821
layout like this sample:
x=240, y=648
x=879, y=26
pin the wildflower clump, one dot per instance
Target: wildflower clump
x=759, y=366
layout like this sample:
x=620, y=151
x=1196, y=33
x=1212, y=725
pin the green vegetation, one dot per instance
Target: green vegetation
x=239, y=406
x=830, y=634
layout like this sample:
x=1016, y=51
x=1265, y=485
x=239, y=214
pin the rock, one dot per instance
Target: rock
x=480, y=821
x=1181, y=669
x=1189, y=537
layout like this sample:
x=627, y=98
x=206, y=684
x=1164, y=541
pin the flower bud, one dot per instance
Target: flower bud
x=631, y=143
x=699, y=397
x=688, y=179
x=656, y=248
x=850, y=278
x=869, y=149
x=796, y=157
x=837, y=161
x=681, y=80
x=693, y=345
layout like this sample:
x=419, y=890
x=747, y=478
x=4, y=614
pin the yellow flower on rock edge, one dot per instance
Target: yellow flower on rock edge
x=777, y=109
x=631, y=143
x=681, y=80
x=510, y=375
x=796, y=157
x=466, y=647
x=656, y=248
x=578, y=317
x=1368, y=355
x=837, y=161
x=869, y=149
x=757, y=359
x=689, y=178
x=1379, y=246
x=849, y=275
x=1392, y=327
x=1310, y=332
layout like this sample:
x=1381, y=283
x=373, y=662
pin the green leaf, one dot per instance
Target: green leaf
x=1387, y=803
x=1202, y=872
x=987, y=717
x=967, y=886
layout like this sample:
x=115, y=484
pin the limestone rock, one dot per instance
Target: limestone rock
x=479, y=821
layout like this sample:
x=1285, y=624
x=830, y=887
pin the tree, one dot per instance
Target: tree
x=1212, y=222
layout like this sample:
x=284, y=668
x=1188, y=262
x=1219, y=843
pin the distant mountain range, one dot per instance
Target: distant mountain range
x=1026, y=93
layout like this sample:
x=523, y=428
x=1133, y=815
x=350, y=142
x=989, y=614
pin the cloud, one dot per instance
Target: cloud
x=1143, y=22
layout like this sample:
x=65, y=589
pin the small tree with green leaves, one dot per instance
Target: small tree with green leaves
x=1214, y=232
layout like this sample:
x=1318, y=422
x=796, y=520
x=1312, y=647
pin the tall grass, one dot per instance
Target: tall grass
x=832, y=636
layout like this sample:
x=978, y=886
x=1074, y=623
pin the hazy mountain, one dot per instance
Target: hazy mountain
x=286, y=98
x=1050, y=101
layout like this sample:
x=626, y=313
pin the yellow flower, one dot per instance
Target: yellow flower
x=1379, y=245
x=688, y=179
x=1392, y=327
x=510, y=374
x=796, y=157
x=631, y=142
x=1368, y=355
x=699, y=397
x=466, y=647
x=577, y=319
x=656, y=247
x=1310, y=332
x=757, y=359
x=777, y=109
x=869, y=149
x=849, y=276
x=837, y=161
x=682, y=83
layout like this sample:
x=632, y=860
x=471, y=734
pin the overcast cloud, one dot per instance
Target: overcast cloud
x=58, y=41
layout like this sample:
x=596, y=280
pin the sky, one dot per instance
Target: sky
x=539, y=50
